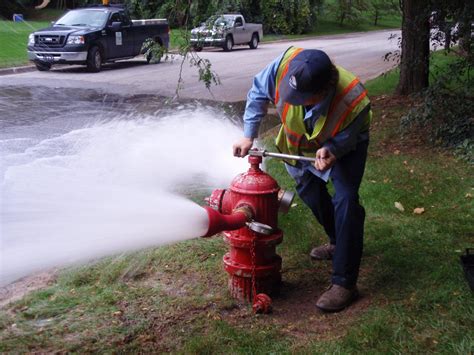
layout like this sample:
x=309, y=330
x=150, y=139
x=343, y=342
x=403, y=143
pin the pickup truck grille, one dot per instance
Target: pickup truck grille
x=50, y=41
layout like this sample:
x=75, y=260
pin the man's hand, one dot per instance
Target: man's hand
x=324, y=159
x=242, y=147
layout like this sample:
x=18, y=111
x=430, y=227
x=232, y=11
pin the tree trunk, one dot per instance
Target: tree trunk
x=343, y=16
x=414, y=63
x=465, y=29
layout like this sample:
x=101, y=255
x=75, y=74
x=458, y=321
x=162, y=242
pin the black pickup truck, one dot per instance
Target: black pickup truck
x=93, y=36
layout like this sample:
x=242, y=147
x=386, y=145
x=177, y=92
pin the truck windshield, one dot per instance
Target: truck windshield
x=84, y=18
x=222, y=22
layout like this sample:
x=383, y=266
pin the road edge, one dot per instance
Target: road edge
x=17, y=70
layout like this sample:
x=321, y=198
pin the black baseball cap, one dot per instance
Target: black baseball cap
x=308, y=73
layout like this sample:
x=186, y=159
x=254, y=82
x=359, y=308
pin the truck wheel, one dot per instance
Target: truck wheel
x=41, y=66
x=228, y=44
x=94, y=60
x=253, y=44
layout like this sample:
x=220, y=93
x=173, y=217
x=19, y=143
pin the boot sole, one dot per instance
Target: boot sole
x=319, y=258
x=328, y=255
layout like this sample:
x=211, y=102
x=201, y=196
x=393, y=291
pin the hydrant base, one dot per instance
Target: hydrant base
x=241, y=287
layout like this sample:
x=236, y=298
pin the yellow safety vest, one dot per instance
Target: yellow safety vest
x=349, y=100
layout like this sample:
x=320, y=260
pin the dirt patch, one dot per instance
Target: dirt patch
x=19, y=289
x=388, y=112
x=294, y=312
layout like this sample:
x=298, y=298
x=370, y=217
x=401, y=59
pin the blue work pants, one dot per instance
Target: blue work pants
x=341, y=215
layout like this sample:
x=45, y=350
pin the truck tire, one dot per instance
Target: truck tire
x=41, y=66
x=228, y=44
x=253, y=44
x=94, y=60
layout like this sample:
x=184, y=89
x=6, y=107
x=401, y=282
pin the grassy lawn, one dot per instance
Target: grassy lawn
x=331, y=27
x=174, y=299
x=13, y=40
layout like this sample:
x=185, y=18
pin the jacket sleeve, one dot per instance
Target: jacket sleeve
x=346, y=140
x=258, y=98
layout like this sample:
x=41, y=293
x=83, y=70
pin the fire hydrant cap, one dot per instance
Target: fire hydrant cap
x=254, y=180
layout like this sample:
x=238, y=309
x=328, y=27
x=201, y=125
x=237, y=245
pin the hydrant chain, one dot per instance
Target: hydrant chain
x=253, y=257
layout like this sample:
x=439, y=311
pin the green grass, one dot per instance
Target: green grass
x=387, y=82
x=331, y=27
x=13, y=41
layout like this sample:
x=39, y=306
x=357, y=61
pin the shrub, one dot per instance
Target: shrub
x=445, y=115
x=287, y=17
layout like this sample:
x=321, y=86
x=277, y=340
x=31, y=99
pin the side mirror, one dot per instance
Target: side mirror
x=52, y=23
x=115, y=26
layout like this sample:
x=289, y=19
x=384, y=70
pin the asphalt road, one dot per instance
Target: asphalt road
x=362, y=53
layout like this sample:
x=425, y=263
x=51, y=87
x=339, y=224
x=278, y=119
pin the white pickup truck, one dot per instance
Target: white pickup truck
x=226, y=31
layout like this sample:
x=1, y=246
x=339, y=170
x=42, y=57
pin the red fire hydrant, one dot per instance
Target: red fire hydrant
x=248, y=213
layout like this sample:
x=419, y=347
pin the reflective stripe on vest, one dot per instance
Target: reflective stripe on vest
x=349, y=100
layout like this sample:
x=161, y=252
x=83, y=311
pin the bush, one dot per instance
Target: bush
x=287, y=17
x=445, y=114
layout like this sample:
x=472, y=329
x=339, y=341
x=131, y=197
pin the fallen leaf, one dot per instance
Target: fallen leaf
x=396, y=152
x=419, y=210
x=399, y=207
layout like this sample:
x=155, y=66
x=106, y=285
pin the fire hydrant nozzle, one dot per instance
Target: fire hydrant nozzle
x=245, y=209
x=219, y=222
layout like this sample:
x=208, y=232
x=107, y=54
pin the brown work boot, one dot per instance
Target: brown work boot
x=336, y=298
x=323, y=252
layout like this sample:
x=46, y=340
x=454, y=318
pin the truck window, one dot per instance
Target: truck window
x=238, y=22
x=90, y=18
x=115, y=18
x=125, y=19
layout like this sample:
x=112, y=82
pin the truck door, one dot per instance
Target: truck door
x=119, y=41
x=128, y=35
x=240, y=34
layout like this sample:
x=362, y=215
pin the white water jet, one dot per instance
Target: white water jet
x=110, y=187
